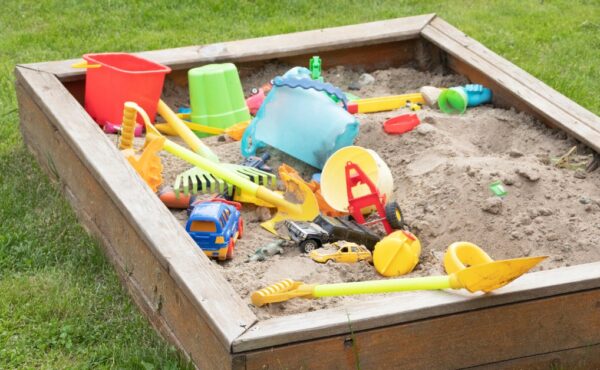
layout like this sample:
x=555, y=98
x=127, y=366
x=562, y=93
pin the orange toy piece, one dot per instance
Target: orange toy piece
x=173, y=200
x=315, y=187
x=147, y=164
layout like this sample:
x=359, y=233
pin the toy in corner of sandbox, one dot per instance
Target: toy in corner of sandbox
x=341, y=206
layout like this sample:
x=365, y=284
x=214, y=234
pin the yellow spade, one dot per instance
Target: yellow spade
x=483, y=274
x=298, y=203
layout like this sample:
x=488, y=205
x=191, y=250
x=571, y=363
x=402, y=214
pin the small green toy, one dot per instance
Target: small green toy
x=315, y=68
x=267, y=251
x=497, y=189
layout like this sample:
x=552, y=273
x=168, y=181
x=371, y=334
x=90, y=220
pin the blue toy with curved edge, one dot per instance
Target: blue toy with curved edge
x=299, y=118
x=312, y=84
x=477, y=94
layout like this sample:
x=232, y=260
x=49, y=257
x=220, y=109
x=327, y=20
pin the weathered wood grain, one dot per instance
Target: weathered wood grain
x=149, y=283
x=406, y=307
x=143, y=215
x=472, y=338
x=580, y=358
x=269, y=47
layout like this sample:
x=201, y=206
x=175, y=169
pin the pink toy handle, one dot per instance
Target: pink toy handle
x=109, y=128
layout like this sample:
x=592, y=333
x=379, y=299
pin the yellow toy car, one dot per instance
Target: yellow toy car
x=346, y=253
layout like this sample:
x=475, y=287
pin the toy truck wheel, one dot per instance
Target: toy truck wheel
x=240, y=228
x=230, y=249
x=309, y=245
x=394, y=215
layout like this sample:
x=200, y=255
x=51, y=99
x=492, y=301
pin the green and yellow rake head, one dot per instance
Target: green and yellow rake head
x=196, y=180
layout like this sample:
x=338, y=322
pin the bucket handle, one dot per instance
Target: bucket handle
x=249, y=142
x=85, y=65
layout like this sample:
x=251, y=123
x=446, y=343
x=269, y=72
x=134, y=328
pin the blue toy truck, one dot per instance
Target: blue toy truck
x=215, y=225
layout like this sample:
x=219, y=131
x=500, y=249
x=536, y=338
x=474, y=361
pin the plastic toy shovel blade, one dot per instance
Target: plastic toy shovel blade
x=490, y=276
x=298, y=203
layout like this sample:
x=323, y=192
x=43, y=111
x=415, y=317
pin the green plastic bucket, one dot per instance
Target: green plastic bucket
x=453, y=100
x=216, y=96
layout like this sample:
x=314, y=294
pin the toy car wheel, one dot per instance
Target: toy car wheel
x=309, y=245
x=240, y=228
x=230, y=249
x=394, y=215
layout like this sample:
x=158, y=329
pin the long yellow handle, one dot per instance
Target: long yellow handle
x=167, y=129
x=253, y=189
x=214, y=168
x=85, y=65
x=385, y=103
x=220, y=171
x=383, y=286
x=185, y=133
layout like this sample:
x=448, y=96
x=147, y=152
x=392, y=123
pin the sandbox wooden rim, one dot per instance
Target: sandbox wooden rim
x=211, y=297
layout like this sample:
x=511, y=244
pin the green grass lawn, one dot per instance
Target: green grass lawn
x=61, y=304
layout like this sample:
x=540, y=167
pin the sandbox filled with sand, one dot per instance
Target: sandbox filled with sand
x=442, y=171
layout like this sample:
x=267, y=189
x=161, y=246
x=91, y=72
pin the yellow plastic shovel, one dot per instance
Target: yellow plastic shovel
x=235, y=132
x=177, y=125
x=483, y=275
x=298, y=203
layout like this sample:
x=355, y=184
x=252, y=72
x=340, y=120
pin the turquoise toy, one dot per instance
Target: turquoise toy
x=300, y=120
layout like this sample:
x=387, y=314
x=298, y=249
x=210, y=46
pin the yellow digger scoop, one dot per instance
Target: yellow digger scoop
x=485, y=276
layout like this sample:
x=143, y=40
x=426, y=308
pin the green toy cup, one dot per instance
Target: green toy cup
x=453, y=100
x=216, y=96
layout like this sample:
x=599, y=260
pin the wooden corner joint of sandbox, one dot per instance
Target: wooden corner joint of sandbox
x=192, y=304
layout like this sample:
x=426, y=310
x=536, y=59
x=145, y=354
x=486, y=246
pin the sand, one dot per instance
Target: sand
x=442, y=171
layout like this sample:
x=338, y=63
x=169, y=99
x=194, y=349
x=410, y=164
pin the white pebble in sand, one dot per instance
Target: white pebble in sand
x=425, y=128
x=493, y=205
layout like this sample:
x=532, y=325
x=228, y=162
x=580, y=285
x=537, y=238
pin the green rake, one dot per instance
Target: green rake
x=196, y=180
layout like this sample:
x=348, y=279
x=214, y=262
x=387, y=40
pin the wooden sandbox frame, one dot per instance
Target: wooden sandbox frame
x=544, y=319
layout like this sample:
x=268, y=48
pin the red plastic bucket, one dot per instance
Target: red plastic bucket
x=121, y=77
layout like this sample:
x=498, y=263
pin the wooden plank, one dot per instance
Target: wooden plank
x=461, y=340
x=406, y=307
x=207, y=290
x=149, y=283
x=506, y=77
x=369, y=57
x=269, y=47
x=580, y=358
